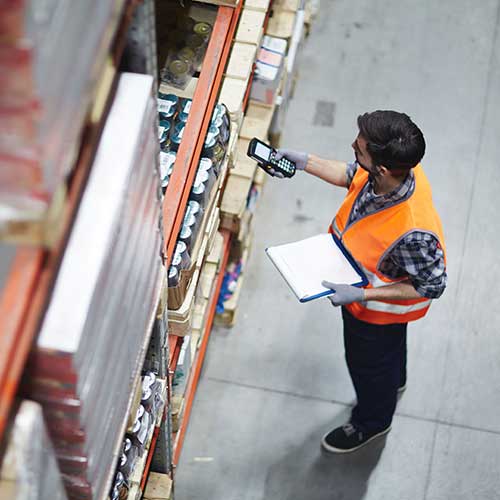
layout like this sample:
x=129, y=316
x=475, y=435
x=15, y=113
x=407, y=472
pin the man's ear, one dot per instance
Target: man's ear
x=381, y=170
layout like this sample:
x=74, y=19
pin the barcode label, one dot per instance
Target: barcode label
x=164, y=106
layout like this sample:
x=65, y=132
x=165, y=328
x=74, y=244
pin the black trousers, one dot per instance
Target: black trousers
x=376, y=358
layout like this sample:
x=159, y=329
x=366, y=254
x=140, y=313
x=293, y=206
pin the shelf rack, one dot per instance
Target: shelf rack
x=204, y=100
x=25, y=295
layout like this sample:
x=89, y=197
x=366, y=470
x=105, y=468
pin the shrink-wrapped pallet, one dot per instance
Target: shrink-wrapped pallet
x=29, y=467
x=95, y=332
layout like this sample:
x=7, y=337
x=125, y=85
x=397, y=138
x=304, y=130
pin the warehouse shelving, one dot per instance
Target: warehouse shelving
x=27, y=292
x=27, y=289
x=204, y=99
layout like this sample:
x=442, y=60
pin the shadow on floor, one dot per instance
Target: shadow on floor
x=308, y=472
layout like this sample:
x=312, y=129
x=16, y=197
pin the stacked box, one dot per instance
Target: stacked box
x=269, y=70
x=95, y=333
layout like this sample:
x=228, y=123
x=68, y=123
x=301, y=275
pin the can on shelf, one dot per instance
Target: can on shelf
x=167, y=106
x=163, y=131
x=198, y=193
x=208, y=147
x=181, y=251
x=176, y=137
x=173, y=276
x=207, y=165
x=164, y=184
x=196, y=210
x=185, y=105
x=167, y=160
x=186, y=236
x=189, y=218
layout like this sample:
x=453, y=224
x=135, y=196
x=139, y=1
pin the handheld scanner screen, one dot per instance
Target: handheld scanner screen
x=262, y=151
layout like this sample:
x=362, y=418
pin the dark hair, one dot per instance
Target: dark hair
x=394, y=141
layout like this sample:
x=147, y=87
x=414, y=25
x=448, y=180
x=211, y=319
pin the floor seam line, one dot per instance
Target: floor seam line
x=278, y=391
x=436, y=421
x=431, y=462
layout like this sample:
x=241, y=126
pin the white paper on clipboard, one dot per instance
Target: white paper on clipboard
x=306, y=263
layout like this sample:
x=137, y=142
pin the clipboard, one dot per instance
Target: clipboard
x=306, y=263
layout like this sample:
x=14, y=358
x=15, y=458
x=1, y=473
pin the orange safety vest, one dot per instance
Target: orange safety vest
x=370, y=238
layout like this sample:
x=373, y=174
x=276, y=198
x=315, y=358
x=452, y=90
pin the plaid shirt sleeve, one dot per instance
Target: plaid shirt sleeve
x=351, y=170
x=420, y=257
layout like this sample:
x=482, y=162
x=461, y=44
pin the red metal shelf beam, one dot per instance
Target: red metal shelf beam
x=204, y=100
x=195, y=373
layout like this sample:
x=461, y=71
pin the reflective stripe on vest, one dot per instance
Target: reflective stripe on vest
x=371, y=237
x=376, y=305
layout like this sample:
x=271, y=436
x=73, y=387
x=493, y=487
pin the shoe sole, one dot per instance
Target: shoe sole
x=332, y=449
x=402, y=389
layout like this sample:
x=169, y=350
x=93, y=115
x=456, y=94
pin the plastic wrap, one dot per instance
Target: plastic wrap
x=29, y=470
x=93, y=335
x=50, y=57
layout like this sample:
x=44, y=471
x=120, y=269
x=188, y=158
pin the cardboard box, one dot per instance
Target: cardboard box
x=269, y=69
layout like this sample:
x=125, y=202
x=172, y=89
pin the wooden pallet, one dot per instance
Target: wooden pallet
x=158, y=487
x=259, y=5
x=234, y=202
x=208, y=278
x=37, y=228
x=243, y=165
x=292, y=5
x=250, y=28
x=281, y=24
x=257, y=121
x=232, y=94
x=241, y=61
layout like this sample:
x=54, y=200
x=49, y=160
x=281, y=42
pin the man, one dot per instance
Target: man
x=390, y=226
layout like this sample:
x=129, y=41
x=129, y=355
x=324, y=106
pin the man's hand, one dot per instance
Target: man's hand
x=344, y=294
x=273, y=172
x=299, y=158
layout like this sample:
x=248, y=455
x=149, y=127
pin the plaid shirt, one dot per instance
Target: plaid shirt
x=418, y=255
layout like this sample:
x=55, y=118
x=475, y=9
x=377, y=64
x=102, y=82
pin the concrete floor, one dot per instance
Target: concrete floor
x=276, y=382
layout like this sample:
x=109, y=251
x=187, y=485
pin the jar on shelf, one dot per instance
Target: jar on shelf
x=177, y=73
x=187, y=55
x=203, y=29
x=198, y=45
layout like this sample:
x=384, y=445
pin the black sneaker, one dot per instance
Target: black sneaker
x=347, y=438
